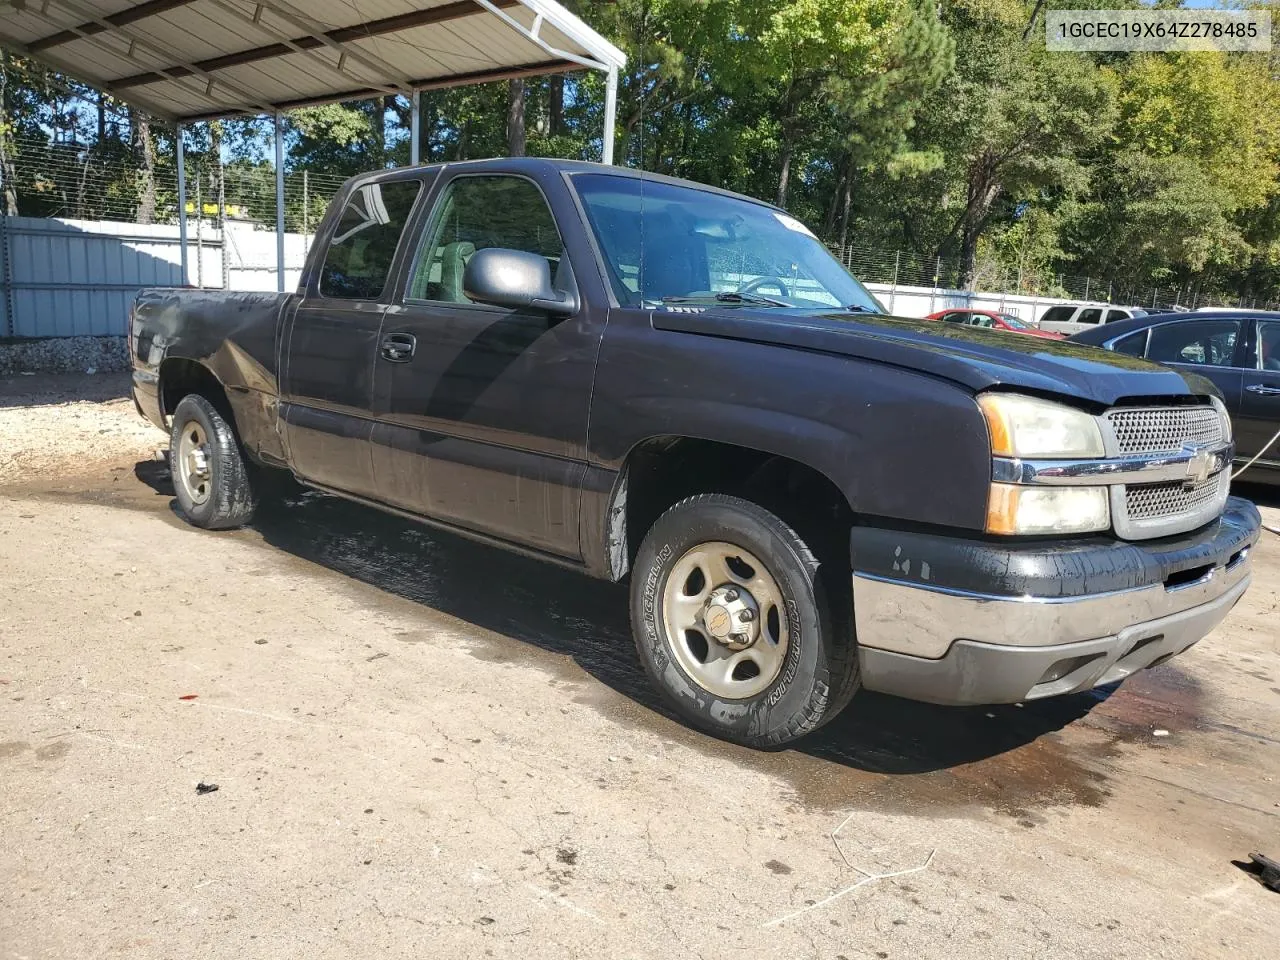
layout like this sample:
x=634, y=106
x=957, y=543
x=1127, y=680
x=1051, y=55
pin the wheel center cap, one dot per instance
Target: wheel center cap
x=197, y=465
x=731, y=617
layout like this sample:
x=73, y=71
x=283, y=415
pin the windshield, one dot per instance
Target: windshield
x=1014, y=322
x=666, y=243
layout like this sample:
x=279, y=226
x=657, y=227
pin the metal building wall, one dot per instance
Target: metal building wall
x=66, y=278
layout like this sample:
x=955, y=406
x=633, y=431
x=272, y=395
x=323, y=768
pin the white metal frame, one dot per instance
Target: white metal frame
x=603, y=56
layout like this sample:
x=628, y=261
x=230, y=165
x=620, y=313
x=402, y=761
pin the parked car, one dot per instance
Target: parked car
x=1238, y=350
x=640, y=377
x=1072, y=318
x=991, y=320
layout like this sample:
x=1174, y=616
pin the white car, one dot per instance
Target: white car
x=1072, y=318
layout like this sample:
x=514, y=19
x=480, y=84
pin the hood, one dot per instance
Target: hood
x=971, y=356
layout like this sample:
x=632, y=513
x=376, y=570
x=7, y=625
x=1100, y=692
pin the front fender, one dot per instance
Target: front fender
x=899, y=444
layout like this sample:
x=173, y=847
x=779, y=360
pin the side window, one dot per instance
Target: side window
x=1134, y=345
x=480, y=212
x=1057, y=314
x=954, y=318
x=364, y=241
x=1114, y=315
x=1268, y=352
x=1089, y=315
x=981, y=320
x=1205, y=342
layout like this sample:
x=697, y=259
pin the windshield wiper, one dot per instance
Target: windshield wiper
x=752, y=298
x=859, y=308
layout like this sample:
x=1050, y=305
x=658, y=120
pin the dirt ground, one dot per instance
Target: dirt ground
x=425, y=747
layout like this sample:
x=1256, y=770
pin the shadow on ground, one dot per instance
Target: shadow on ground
x=568, y=614
x=46, y=389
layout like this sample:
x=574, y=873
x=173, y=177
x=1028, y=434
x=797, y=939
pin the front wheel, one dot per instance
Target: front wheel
x=210, y=475
x=734, y=623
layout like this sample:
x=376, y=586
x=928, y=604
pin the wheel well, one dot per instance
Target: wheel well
x=665, y=470
x=180, y=377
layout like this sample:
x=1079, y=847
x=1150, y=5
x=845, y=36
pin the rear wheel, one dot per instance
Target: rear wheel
x=210, y=475
x=735, y=625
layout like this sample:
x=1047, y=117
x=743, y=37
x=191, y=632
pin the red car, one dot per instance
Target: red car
x=992, y=320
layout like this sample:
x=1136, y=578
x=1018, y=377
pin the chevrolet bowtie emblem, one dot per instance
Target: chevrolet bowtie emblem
x=1200, y=466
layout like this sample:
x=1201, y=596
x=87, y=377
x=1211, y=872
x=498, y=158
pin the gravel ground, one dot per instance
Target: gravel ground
x=425, y=747
x=54, y=425
x=64, y=355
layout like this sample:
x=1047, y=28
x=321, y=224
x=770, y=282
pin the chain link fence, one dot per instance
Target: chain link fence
x=907, y=269
x=58, y=179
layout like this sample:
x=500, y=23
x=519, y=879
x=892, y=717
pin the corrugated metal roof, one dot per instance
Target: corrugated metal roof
x=200, y=59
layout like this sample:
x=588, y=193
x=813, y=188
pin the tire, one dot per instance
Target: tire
x=815, y=664
x=221, y=496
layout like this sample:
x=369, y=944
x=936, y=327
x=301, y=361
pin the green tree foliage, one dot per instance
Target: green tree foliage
x=930, y=127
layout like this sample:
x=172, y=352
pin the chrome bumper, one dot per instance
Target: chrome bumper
x=924, y=621
x=927, y=640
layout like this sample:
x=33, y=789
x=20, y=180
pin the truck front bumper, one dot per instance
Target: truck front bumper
x=958, y=621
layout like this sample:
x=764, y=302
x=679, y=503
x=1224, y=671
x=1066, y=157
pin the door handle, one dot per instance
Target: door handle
x=1263, y=390
x=399, y=347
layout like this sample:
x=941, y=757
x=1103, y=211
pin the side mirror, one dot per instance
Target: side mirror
x=514, y=278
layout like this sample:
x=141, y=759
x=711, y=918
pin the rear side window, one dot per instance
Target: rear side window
x=1114, y=315
x=1202, y=342
x=364, y=242
x=1134, y=345
x=1057, y=314
x=1091, y=315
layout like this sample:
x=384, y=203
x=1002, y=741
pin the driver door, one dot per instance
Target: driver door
x=481, y=412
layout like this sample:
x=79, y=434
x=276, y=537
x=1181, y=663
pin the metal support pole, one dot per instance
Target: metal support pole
x=893, y=289
x=415, y=124
x=280, y=203
x=199, y=232
x=306, y=212
x=610, y=113
x=222, y=226
x=182, y=205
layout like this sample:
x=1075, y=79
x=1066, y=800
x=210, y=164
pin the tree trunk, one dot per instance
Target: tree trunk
x=8, y=172
x=515, y=118
x=846, y=201
x=140, y=124
x=784, y=177
x=102, y=119
x=388, y=104
x=556, y=112
x=983, y=188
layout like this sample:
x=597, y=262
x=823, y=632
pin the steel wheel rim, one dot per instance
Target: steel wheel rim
x=694, y=591
x=193, y=465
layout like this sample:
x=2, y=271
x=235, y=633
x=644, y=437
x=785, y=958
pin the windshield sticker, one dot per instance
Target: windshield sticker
x=791, y=223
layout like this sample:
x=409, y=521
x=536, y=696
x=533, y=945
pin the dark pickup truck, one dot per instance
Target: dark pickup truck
x=638, y=376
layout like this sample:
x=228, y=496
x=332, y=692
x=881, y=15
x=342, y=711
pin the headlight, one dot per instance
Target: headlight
x=1029, y=510
x=1028, y=427
x=1226, y=418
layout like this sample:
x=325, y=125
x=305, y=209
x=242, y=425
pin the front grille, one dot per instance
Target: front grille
x=1164, y=429
x=1140, y=511
x=1157, y=500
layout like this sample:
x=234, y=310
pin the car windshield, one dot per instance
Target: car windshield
x=666, y=244
x=1011, y=321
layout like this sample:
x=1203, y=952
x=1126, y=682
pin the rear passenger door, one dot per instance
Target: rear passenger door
x=484, y=423
x=1258, y=417
x=326, y=384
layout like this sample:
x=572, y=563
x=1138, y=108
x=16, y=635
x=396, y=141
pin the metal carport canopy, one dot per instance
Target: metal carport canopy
x=191, y=60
